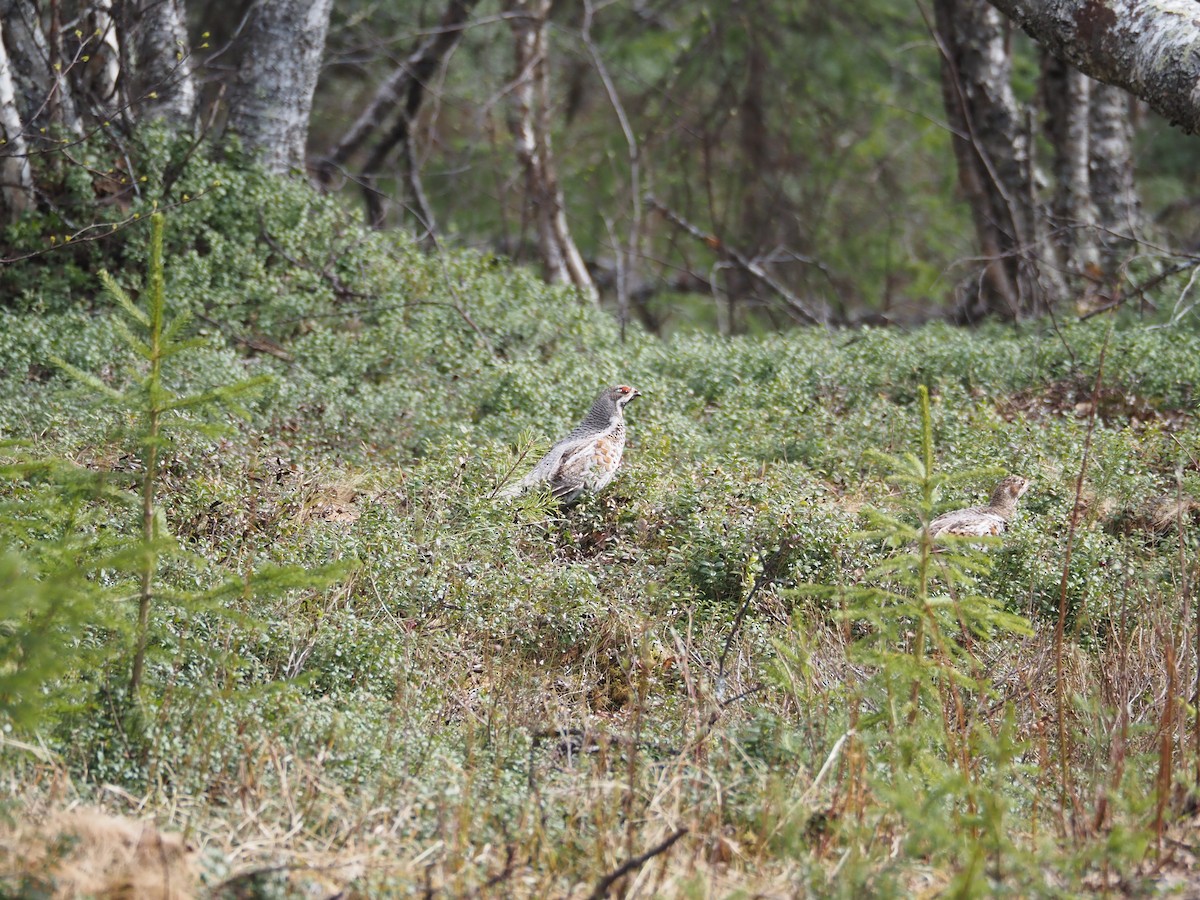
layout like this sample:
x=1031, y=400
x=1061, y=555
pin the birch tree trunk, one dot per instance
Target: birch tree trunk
x=1149, y=47
x=530, y=126
x=43, y=97
x=992, y=148
x=271, y=102
x=163, y=83
x=1067, y=94
x=1118, y=207
x=103, y=72
x=1096, y=205
x=16, y=180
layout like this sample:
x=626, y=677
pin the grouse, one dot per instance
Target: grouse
x=977, y=521
x=588, y=457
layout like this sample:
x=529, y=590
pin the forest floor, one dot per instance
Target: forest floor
x=735, y=671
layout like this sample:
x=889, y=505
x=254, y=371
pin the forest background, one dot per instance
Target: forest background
x=290, y=291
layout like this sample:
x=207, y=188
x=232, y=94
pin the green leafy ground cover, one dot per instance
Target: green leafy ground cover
x=365, y=673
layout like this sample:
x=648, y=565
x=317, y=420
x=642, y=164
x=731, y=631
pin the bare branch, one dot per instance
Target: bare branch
x=408, y=79
x=752, y=266
x=624, y=257
x=605, y=884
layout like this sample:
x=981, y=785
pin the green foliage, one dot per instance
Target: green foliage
x=924, y=631
x=785, y=125
x=571, y=684
x=53, y=600
x=161, y=414
x=94, y=574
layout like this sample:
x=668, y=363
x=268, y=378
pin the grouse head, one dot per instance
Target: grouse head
x=622, y=394
x=609, y=407
x=1007, y=492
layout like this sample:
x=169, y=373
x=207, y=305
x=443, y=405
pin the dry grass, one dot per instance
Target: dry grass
x=599, y=794
x=87, y=852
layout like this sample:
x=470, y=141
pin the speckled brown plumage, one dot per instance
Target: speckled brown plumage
x=979, y=521
x=587, y=459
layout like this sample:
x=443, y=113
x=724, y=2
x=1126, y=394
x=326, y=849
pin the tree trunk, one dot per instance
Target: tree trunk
x=992, y=149
x=163, y=84
x=1118, y=209
x=102, y=75
x=530, y=126
x=16, y=180
x=1096, y=204
x=1149, y=47
x=1067, y=94
x=43, y=96
x=272, y=99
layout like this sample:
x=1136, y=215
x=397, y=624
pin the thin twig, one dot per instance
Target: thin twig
x=767, y=576
x=749, y=692
x=1185, y=614
x=1060, y=626
x=602, y=887
x=89, y=233
x=828, y=765
x=1180, y=310
x=751, y=266
x=330, y=276
x=503, y=480
x=1140, y=289
x=259, y=345
x=510, y=855
x=172, y=172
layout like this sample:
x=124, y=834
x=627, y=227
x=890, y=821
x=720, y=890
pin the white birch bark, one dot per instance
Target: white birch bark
x=271, y=102
x=1149, y=47
x=1096, y=203
x=530, y=126
x=1076, y=181
x=42, y=94
x=16, y=180
x=1068, y=111
x=991, y=143
x=1118, y=206
x=165, y=87
x=104, y=66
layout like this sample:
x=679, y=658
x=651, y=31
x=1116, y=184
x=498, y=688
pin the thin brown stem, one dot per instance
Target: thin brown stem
x=1060, y=626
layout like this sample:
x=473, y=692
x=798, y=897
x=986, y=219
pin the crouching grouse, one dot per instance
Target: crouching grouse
x=978, y=521
x=588, y=457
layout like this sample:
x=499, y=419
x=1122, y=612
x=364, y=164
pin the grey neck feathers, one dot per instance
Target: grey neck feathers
x=1003, y=503
x=602, y=414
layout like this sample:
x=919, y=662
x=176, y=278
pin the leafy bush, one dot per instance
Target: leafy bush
x=576, y=685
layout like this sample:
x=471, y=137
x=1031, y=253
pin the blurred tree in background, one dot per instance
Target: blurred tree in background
x=732, y=164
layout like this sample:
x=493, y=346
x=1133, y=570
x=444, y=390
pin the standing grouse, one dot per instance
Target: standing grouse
x=978, y=521
x=588, y=457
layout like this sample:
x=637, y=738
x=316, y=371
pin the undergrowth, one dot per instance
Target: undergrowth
x=513, y=698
